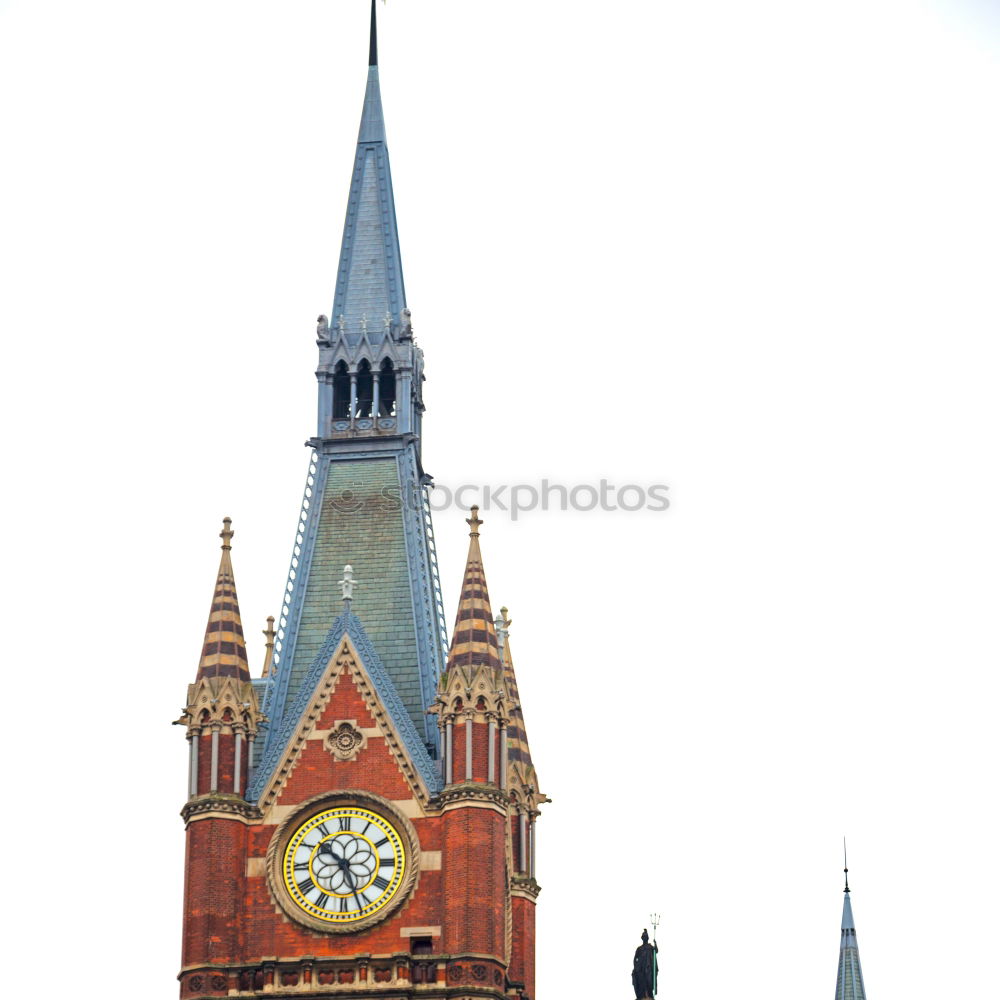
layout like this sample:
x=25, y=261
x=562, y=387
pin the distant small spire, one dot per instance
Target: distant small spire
x=227, y=533
x=850, y=982
x=474, y=522
x=373, y=41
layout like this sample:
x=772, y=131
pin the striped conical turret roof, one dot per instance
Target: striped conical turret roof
x=850, y=983
x=517, y=735
x=474, y=642
x=224, y=653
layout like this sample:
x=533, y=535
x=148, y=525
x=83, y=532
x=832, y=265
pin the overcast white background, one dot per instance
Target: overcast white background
x=746, y=249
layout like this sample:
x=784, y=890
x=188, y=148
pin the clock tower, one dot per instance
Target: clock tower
x=360, y=818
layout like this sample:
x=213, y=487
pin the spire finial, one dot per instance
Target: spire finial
x=473, y=522
x=847, y=888
x=373, y=41
x=227, y=534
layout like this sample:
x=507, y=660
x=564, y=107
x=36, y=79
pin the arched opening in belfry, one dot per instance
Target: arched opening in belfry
x=341, y=391
x=366, y=385
x=386, y=389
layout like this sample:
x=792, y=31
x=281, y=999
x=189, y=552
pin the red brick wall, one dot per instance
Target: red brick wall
x=316, y=773
x=473, y=870
x=213, y=890
x=522, y=954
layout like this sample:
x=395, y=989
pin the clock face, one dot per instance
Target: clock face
x=344, y=865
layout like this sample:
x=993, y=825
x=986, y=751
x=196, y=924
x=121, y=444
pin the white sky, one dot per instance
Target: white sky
x=749, y=250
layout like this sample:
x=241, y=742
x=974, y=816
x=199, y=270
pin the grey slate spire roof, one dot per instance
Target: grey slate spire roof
x=370, y=274
x=850, y=984
x=365, y=500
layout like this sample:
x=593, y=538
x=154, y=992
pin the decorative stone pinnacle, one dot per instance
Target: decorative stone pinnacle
x=347, y=584
x=502, y=624
x=269, y=636
x=474, y=522
x=227, y=533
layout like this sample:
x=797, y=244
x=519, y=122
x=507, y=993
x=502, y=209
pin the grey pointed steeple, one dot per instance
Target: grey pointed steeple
x=370, y=274
x=850, y=983
x=366, y=500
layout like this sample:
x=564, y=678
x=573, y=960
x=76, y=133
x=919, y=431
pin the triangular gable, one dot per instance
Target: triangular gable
x=309, y=702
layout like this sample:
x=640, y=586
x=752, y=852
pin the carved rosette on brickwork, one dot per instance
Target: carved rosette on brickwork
x=345, y=740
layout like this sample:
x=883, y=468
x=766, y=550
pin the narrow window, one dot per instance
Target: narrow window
x=341, y=391
x=386, y=390
x=365, y=389
x=421, y=946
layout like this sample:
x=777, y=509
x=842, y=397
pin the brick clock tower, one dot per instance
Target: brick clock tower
x=360, y=819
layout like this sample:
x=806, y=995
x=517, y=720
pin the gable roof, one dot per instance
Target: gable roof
x=346, y=624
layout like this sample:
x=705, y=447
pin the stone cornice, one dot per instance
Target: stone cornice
x=220, y=806
x=472, y=793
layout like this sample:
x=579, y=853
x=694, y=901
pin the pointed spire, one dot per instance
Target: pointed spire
x=224, y=653
x=850, y=983
x=475, y=639
x=370, y=275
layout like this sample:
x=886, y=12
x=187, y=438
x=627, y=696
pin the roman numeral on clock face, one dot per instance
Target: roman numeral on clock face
x=306, y=885
x=323, y=900
x=343, y=904
x=345, y=822
x=386, y=862
x=381, y=883
x=381, y=843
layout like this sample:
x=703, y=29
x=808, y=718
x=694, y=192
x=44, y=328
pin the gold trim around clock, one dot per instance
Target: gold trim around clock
x=290, y=826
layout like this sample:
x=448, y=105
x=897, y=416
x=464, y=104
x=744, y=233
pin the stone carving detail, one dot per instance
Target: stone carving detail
x=456, y=974
x=424, y=972
x=326, y=977
x=218, y=982
x=345, y=976
x=383, y=975
x=479, y=973
x=289, y=979
x=195, y=983
x=345, y=740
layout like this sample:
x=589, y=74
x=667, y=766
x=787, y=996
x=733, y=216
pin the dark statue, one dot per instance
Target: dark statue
x=644, y=969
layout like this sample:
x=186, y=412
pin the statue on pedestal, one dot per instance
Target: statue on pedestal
x=644, y=969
